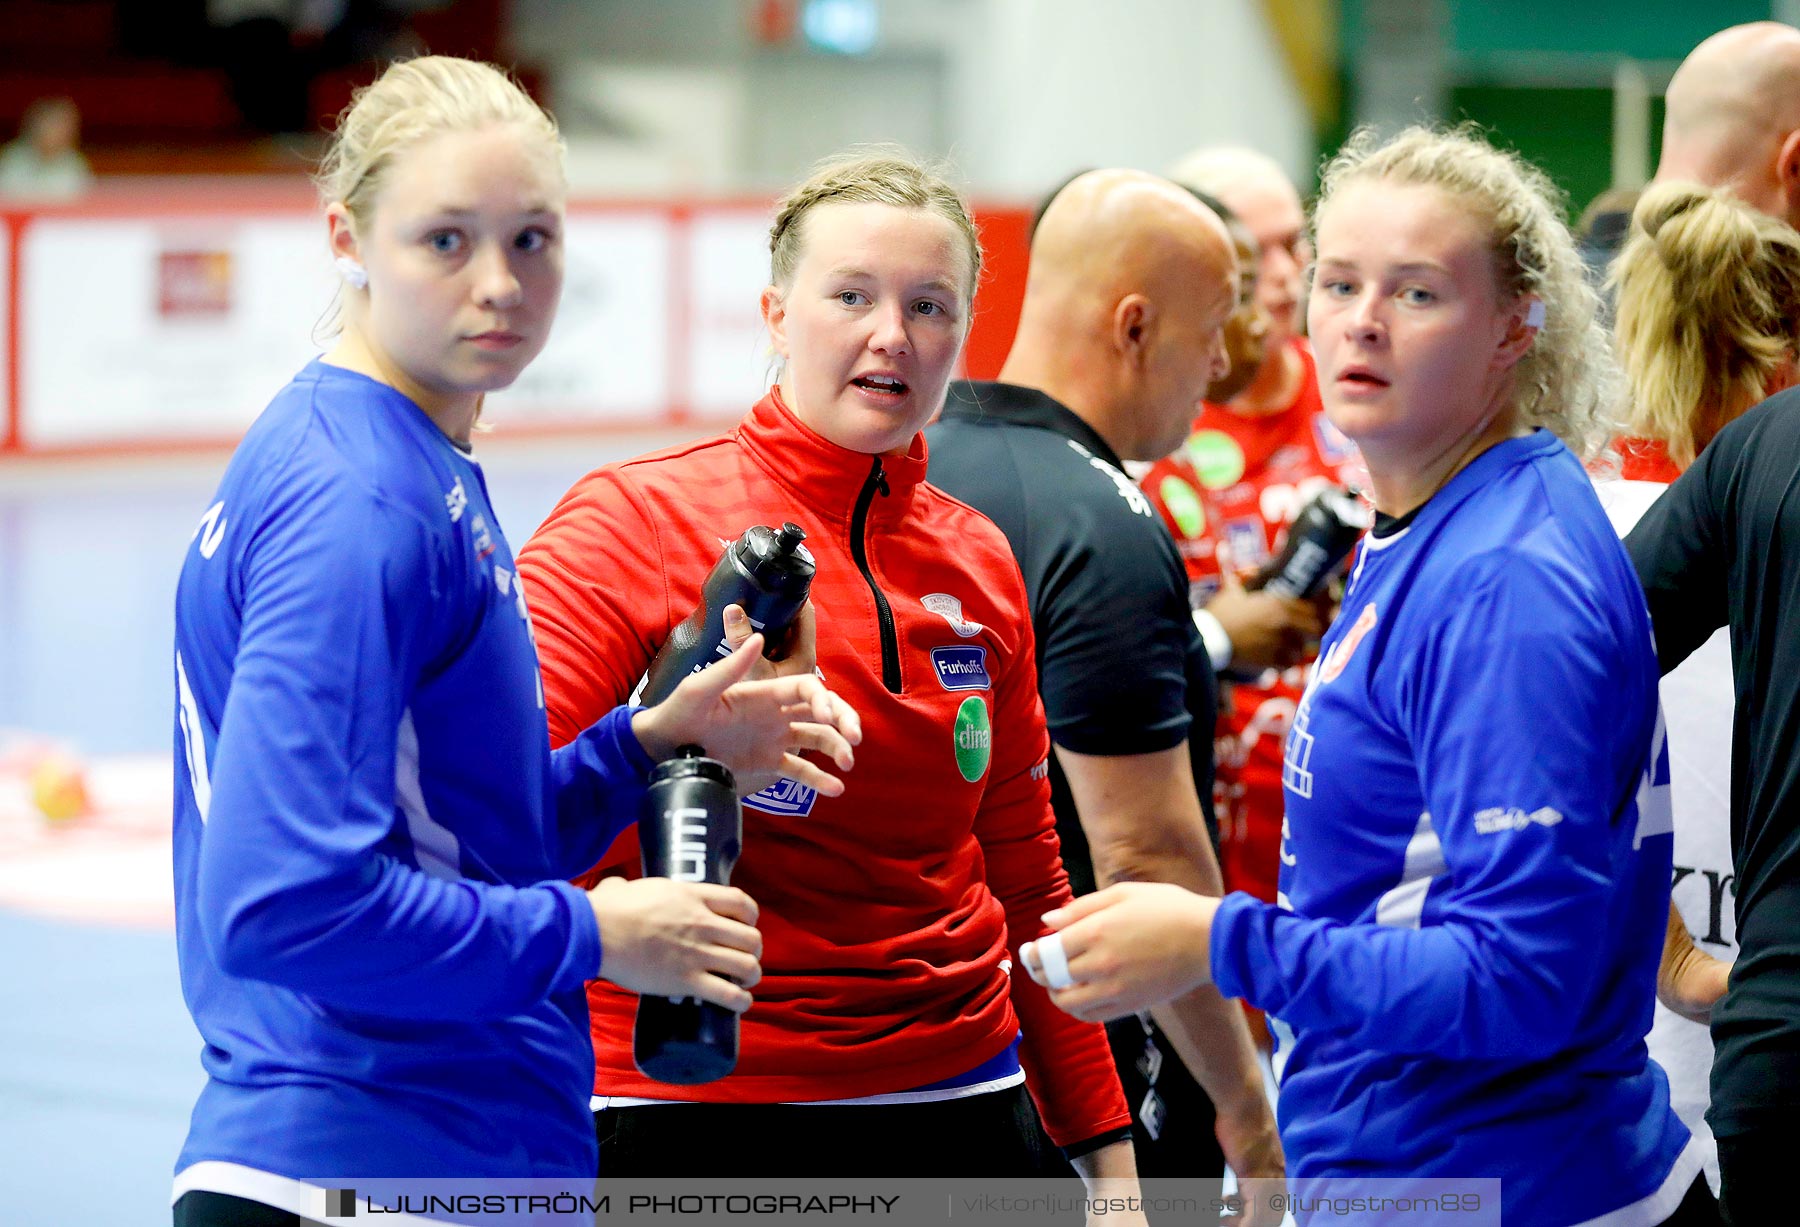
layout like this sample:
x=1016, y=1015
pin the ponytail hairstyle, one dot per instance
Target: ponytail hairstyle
x=1708, y=312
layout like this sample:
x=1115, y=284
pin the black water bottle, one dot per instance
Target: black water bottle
x=691, y=831
x=1320, y=538
x=766, y=572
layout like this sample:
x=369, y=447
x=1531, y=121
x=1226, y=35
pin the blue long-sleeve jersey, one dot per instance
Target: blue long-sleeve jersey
x=370, y=828
x=1476, y=863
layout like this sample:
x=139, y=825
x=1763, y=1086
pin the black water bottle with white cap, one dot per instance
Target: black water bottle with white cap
x=1320, y=538
x=692, y=830
x=765, y=572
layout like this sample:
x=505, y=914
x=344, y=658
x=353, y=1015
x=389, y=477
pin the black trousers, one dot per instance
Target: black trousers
x=992, y=1135
x=202, y=1209
x=1171, y=1117
x=1754, y=1180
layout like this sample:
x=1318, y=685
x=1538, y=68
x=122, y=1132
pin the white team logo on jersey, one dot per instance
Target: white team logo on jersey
x=1499, y=818
x=1296, y=756
x=950, y=610
x=1656, y=816
x=511, y=585
x=1128, y=489
x=211, y=530
x=456, y=501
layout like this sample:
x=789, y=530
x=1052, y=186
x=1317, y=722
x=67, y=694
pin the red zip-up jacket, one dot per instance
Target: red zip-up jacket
x=892, y=915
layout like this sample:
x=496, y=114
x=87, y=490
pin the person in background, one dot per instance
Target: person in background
x=1708, y=324
x=889, y=1037
x=370, y=828
x=271, y=51
x=1709, y=296
x=1258, y=457
x=1181, y=497
x=1733, y=122
x=1247, y=331
x=1131, y=287
x=1732, y=118
x=1601, y=230
x=45, y=164
x=1477, y=847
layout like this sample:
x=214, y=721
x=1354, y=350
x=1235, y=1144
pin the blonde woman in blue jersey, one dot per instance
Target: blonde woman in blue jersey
x=370, y=828
x=1476, y=853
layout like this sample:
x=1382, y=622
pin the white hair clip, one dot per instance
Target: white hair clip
x=353, y=273
x=1534, y=314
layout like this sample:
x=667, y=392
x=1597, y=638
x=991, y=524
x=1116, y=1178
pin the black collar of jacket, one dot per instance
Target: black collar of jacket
x=975, y=400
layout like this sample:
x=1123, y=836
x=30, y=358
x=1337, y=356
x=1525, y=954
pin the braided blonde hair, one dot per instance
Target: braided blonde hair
x=880, y=175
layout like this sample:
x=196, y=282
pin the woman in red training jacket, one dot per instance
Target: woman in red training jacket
x=890, y=1036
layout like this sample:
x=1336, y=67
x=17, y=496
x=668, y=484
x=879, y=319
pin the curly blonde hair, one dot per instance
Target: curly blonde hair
x=1567, y=382
x=877, y=175
x=1708, y=312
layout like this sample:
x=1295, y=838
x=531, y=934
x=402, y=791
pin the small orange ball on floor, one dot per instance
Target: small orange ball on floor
x=59, y=788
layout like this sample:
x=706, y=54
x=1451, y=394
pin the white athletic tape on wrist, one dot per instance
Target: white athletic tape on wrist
x=1054, y=961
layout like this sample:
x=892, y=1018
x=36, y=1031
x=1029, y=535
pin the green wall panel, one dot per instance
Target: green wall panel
x=1568, y=132
x=1641, y=29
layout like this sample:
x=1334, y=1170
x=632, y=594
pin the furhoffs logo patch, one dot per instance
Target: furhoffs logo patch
x=961, y=668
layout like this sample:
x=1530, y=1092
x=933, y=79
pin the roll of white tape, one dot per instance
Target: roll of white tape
x=1054, y=962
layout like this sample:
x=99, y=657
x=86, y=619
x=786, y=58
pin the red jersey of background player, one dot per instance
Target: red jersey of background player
x=1238, y=483
x=1645, y=460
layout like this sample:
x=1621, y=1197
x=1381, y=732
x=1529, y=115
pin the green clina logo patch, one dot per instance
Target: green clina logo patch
x=974, y=738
